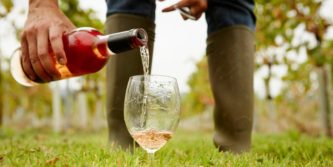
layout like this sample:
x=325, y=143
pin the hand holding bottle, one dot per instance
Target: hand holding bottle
x=43, y=33
x=195, y=8
x=87, y=52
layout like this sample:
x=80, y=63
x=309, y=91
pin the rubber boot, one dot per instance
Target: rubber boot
x=230, y=54
x=119, y=68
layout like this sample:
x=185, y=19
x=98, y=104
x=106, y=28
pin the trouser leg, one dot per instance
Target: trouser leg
x=119, y=69
x=230, y=54
x=230, y=50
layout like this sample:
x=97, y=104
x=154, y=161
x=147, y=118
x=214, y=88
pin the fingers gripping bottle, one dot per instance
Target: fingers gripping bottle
x=87, y=51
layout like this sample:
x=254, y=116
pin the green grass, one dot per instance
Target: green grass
x=36, y=148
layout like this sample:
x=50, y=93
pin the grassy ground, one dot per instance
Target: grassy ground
x=32, y=148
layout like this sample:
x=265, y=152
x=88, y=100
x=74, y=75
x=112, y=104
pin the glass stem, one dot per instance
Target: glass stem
x=151, y=159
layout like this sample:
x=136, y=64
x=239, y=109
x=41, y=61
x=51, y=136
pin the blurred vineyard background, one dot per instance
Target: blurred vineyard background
x=293, y=48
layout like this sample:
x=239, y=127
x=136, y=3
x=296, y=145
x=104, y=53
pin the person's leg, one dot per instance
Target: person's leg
x=124, y=15
x=230, y=51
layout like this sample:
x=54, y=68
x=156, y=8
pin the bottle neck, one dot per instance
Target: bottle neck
x=126, y=40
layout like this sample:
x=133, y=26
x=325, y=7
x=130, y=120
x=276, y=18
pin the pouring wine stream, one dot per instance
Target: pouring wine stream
x=144, y=52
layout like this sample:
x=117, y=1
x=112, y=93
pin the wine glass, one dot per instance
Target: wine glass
x=152, y=110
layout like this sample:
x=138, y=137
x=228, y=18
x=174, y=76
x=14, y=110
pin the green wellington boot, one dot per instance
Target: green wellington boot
x=230, y=54
x=119, y=69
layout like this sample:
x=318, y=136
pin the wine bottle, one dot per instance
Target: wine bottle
x=87, y=51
